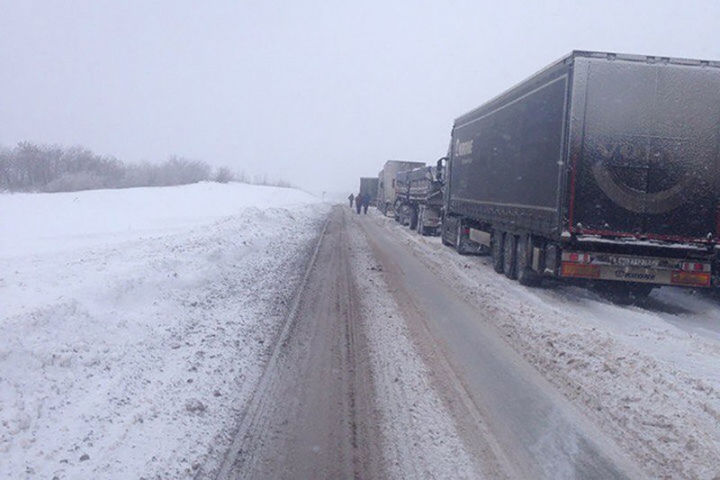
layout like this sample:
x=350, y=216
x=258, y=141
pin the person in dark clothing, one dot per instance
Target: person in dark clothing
x=366, y=202
x=358, y=202
x=351, y=198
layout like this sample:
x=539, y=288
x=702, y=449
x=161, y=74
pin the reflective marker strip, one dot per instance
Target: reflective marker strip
x=579, y=270
x=690, y=278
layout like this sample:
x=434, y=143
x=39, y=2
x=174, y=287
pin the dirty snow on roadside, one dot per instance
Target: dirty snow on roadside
x=647, y=375
x=135, y=323
x=419, y=436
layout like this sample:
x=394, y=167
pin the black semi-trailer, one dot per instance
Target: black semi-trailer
x=602, y=167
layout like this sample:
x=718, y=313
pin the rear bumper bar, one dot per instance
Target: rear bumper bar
x=627, y=268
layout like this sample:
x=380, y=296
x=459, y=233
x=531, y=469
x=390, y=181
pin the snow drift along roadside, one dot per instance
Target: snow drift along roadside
x=133, y=332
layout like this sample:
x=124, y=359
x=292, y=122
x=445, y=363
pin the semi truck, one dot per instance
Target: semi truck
x=418, y=200
x=602, y=168
x=369, y=186
x=386, y=183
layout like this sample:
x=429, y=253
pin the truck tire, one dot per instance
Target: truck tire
x=444, y=227
x=525, y=274
x=510, y=256
x=459, y=247
x=413, y=218
x=497, y=251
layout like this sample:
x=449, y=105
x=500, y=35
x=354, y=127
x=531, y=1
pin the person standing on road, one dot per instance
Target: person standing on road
x=366, y=203
x=351, y=198
x=358, y=202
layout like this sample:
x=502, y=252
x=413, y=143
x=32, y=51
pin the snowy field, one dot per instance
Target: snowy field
x=647, y=374
x=134, y=323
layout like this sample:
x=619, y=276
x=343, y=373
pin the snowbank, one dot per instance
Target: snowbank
x=135, y=323
x=34, y=223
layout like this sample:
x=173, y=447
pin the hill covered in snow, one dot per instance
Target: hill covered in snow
x=38, y=222
x=134, y=323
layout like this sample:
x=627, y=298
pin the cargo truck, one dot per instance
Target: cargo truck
x=369, y=186
x=602, y=167
x=386, y=183
x=418, y=200
x=402, y=207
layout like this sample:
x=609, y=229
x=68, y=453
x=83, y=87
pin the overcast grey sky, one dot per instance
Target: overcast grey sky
x=318, y=93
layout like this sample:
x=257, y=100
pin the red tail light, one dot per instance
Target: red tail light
x=695, y=267
x=569, y=269
x=691, y=279
x=576, y=257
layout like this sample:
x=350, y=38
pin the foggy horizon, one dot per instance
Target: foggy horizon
x=314, y=94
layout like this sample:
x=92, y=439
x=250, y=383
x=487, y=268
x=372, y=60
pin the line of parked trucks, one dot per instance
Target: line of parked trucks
x=602, y=168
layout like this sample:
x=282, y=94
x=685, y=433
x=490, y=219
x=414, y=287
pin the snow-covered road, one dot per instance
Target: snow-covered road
x=346, y=394
x=646, y=375
x=471, y=380
x=539, y=430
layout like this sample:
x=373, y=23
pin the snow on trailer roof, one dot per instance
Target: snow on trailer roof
x=397, y=162
x=650, y=59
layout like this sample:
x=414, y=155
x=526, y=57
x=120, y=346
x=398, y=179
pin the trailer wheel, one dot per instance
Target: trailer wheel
x=497, y=251
x=525, y=274
x=444, y=232
x=445, y=242
x=413, y=218
x=510, y=256
x=459, y=247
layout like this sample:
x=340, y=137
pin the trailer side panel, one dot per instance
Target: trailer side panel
x=506, y=157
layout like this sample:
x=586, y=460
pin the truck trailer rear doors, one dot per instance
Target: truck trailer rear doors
x=644, y=149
